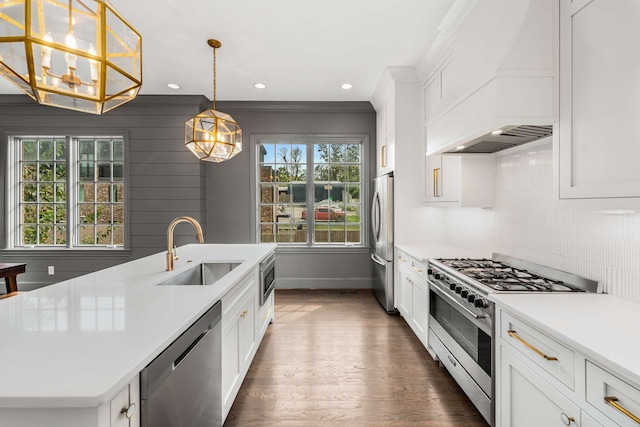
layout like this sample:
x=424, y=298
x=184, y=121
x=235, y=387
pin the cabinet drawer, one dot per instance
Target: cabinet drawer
x=612, y=396
x=412, y=266
x=547, y=353
x=232, y=298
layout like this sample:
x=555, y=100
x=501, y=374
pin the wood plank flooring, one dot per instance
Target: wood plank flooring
x=335, y=358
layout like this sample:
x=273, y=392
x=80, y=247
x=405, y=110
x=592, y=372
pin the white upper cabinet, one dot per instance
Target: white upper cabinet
x=599, y=102
x=463, y=180
x=396, y=102
x=494, y=70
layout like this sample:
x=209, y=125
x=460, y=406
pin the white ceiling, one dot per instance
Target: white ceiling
x=303, y=50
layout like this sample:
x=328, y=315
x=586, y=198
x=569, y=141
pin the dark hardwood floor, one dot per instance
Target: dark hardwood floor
x=335, y=358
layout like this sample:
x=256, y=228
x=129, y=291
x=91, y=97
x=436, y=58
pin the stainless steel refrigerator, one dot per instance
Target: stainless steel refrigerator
x=382, y=243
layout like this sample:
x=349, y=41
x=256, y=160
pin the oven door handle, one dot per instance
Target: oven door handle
x=456, y=302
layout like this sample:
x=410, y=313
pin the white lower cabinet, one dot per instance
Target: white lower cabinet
x=527, y=400
x=123, y=410
x=412, y=296
x=588, y=421
x=125, y=407
x=239, y=338
x=541, y=382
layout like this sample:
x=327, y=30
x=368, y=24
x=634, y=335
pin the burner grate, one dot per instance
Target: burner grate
x=502, y=277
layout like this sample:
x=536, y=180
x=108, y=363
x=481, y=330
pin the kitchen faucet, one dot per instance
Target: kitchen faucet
x=170, y=249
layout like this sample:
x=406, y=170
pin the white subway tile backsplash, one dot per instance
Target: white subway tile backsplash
x=524, y=224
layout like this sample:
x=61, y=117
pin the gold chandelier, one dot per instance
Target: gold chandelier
x=213, y=136
x=80, y=55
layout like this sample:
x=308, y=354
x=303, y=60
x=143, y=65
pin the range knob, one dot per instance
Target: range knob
x=429, y=271
x=471, y=297
x=464, y=293
x=480, y=302
x=458, y=289
x=437, y=276
x=452, y=286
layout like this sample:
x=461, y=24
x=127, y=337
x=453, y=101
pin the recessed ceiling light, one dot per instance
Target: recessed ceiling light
x=173, y=86
x=346, y=86
x=496, y=132
x=260, y=85
x=460, y=147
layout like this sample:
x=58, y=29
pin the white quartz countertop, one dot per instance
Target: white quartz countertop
x=424, y=251
x=603, y=327
x=78, y=342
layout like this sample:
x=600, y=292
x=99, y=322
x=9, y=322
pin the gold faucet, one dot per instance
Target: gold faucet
x=170, y=249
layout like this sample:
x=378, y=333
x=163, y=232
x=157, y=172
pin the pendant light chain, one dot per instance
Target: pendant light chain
x=214, y=78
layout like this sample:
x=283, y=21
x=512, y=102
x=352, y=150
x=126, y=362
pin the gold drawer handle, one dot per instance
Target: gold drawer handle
x=266, y=316
x=514, y=334
x=613, y=401
x=415, y=268
x=244, y=313
x=401, y=259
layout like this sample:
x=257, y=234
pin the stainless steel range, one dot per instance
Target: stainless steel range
x=461, y=316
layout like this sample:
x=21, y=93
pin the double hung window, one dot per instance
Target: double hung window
x=66, y=192
x=310, y=190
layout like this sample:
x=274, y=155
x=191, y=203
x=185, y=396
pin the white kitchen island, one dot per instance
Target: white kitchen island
x=67, y=350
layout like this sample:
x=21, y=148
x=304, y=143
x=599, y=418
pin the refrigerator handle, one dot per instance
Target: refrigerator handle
x=375, y=216
x=375, y=259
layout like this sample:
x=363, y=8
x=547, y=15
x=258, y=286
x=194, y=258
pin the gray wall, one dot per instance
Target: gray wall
x=230, y=189
x=166, y=181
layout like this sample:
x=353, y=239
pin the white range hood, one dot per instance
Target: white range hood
x=517, y=99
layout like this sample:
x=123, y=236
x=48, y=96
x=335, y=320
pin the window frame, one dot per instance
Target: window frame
x=312, y=139
x=10, y=173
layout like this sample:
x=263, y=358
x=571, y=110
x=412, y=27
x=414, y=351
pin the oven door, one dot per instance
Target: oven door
x=467, y=338
x=267, y=277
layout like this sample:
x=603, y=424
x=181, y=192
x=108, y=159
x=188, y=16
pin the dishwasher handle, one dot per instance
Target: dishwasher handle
x=190, y=348
x=158, y=371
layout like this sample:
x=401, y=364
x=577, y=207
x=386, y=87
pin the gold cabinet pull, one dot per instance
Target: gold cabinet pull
x=383, y=153
x=401, y=259
x=268, y=313
x=413, y=267
x=613, y=401
x=514, y=334
x=436, y=182
x=244, y=314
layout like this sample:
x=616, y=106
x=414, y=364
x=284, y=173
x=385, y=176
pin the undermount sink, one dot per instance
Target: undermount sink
x=204, y=274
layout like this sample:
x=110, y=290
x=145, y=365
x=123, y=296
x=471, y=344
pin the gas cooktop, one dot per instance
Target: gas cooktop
x=501, y=275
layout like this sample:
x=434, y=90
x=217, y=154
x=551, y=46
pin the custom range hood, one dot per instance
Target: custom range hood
x=513, y=104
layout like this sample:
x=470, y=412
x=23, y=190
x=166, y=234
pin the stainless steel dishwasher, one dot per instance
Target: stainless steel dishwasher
x=182, y=386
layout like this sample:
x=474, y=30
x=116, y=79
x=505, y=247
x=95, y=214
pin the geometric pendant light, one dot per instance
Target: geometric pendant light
x=213, y=136
x=77, y=54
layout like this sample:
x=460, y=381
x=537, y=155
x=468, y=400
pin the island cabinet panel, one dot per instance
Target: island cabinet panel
x=265, y=315
x=239, y=336
x=110, y=414
x=599, y=102
x=125, y=407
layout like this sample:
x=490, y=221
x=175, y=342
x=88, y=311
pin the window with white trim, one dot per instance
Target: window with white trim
x=66, y=192
x=318, y=175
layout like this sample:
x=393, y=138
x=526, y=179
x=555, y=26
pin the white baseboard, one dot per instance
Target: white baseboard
x=322, y=283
